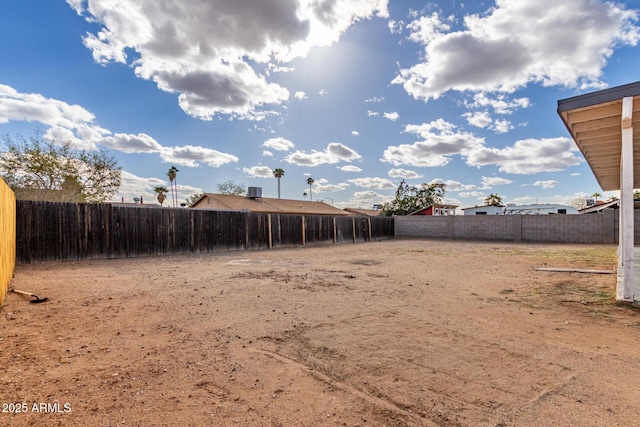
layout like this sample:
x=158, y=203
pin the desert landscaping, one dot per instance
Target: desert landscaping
x=387, y=333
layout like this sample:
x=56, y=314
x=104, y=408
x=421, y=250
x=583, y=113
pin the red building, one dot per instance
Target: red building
x=437, y=210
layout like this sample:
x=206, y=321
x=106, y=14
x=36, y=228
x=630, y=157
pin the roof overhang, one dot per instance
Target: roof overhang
x=594, y=121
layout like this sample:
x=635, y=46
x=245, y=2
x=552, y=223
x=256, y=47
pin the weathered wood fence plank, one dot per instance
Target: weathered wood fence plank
x=7, y=238
x=49, y=231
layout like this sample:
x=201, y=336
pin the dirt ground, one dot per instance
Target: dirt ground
x=390, y=333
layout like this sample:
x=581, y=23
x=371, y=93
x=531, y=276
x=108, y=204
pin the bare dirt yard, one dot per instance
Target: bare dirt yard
x=390, y=333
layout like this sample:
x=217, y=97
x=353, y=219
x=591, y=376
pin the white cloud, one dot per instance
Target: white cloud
x=375, y=99
x=355, y=133
x=273, y=68
x=546, y=184
x=75, y=124
x=350, y=168
x=334, y=153
x=205, y=50
x=489, y=182
x=500, y=103
x=518, y=42
x=451, y=185
x=501, y=126
x=67, y=122
x=395, y=27
x=300, y=95
x=134, y=186
x=481, y=119
x=440, y=142
x=528, y=156
x=426, y=29
x=371, y=113
x=267, y=153
x=392, y=116
x=330, y=188
x=258, y=171
x=192, y=156
x=322, y=92
x=404, y=173
x=141, y=143
x=278, y=144
x=473, y=194
x=373, y=183
x=364, y=200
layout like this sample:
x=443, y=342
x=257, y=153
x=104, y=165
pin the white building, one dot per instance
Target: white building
x=537, y=209
x=485, y=210
x=540, y=209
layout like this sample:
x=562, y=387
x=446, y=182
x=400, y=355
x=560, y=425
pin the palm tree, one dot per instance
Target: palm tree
x=173, y=171
x=596, y=195
x=278, y=173
x=305, y=196
x=161, y=191
x=310, y=181
x=493, y=200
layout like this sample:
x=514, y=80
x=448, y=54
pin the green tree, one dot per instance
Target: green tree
x=310, y=181
x=278, y=173
x=230, y=187
x=409, y=199
x=172, y=174
x=161, y=192
x=493, y=200
x=596, y=195
x=37, y=169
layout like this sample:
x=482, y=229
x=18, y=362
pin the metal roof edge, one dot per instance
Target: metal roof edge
x=601, y=96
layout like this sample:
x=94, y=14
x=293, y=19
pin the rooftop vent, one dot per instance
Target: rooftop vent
x=254, y=192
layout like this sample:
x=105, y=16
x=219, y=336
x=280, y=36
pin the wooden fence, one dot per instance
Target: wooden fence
x=7, y=238
x=49, y=231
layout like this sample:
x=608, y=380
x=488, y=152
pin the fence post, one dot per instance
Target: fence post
x=353, y=228
x=335, y=232
x=304, y=232
x=246, y=230
x=269, y=228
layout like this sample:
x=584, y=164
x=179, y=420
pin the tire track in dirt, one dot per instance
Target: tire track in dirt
x=385, y=404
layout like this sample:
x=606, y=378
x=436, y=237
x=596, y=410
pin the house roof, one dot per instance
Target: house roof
x=269, y=205
x=613, y=204
x=594, y=122
x=484, y=207
x=363, y=212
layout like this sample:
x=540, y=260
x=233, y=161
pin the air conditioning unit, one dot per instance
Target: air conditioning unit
x=254, y=192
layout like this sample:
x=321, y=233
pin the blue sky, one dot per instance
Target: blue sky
x=357, y=94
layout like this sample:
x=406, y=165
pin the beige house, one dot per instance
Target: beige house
x=226, y=202
x=363, y=212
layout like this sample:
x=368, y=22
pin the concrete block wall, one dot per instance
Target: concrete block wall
x=590, y=228
x=416, y=226
x=483, y=227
